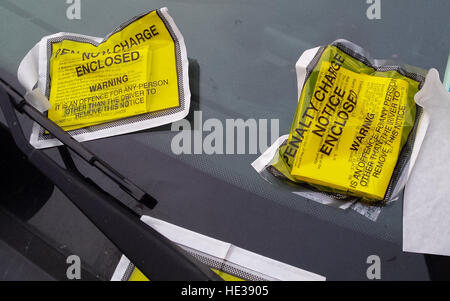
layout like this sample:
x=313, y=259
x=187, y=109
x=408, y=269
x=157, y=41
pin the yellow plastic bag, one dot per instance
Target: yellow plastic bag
x=134, y=78
x=351, y=125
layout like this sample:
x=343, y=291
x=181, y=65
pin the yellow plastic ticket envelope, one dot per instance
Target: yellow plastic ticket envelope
x=133, y=71
x=352, y=129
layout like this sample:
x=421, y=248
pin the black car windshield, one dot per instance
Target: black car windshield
x=242, y=57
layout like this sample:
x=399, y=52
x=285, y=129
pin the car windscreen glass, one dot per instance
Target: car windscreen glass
x=242, y=56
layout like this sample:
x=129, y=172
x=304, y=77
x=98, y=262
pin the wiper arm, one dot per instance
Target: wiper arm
x=22, y=106
x=155, y=255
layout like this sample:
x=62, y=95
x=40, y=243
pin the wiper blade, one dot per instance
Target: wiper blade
x=155, y=255
x=22, y=106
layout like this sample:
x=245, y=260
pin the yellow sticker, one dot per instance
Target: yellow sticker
x=351, y=134
x=137, y=275
x=132, y=72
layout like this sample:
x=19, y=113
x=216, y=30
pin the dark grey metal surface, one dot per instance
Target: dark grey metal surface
x=15, y=267
x=246, y=51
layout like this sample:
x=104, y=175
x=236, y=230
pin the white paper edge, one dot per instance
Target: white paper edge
x=223, y=250
x=422, y=128
x=423, y=123
x=422, y=95
x=270, y=267
x=121, y=268
x=300, y=68
x=188, y=238
x=261, y=162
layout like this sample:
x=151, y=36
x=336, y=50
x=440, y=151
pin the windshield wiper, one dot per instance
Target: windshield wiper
x=22, y=106
x=155, y=255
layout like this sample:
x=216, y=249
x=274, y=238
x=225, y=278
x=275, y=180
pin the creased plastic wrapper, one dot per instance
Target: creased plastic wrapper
x=134, y=78
x=353, y=130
